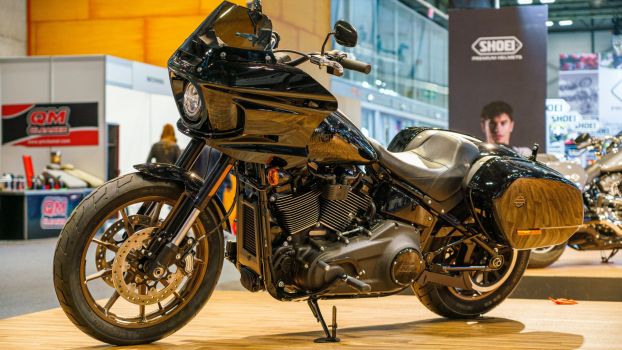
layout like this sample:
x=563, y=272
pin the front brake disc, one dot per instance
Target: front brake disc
x=101, y=263
x=129, y=282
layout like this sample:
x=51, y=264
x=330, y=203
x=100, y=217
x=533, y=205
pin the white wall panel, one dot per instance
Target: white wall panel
x=12, y=28
x=53, y=80
x=130, y=109
x=81, y=79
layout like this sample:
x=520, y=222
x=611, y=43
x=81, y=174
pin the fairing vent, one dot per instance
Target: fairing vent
x=338, y=214
x=249, y=240
x=297, y=213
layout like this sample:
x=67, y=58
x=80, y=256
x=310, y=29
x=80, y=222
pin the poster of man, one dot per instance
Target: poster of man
x=497, y=77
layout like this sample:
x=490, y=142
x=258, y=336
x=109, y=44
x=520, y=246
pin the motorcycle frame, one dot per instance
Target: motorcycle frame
x=199, y=194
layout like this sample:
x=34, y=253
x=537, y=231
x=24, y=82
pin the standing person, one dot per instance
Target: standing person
x=165, y=150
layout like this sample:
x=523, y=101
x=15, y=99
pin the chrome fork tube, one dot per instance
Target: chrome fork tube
x=193, y=205
x=184, y=214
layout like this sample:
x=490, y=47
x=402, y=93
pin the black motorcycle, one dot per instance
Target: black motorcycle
x=601, y=183
x=322, y=211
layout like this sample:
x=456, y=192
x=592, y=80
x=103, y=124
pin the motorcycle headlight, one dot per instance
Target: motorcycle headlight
x=192, y=103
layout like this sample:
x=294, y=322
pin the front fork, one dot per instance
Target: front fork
x=163, y=250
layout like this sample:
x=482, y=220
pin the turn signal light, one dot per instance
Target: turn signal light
x=274, y=176
x=529, y=232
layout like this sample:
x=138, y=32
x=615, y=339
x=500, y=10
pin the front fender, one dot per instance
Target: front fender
x=191, y=182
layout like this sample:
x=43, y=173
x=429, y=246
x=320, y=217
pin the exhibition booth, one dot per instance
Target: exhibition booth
x=69, y=123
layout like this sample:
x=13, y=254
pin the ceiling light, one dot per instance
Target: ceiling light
x=549, y=23
x=547, y=1
x=566, y=22
x=524, y=2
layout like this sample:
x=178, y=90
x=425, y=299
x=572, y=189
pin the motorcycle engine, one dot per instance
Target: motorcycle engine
x=324, y=226
x=611, y=184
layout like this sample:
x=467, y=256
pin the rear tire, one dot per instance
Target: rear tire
x=541, y=258
x=80, y=306
x=447, y=302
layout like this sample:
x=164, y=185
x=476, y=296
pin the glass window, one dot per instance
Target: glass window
x=409, y=53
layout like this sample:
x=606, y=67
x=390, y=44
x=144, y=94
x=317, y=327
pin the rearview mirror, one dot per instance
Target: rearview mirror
x=345, y=34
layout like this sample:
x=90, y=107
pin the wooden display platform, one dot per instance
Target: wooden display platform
x=242, y=320
x=581, y=264
x=576, y=275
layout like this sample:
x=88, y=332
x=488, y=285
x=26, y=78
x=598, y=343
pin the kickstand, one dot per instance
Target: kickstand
x=315, y=309
x=605, y=260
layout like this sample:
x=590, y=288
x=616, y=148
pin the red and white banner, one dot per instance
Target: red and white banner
x=50, y=124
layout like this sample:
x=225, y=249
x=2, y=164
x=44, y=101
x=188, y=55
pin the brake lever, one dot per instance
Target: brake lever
x=332, y=67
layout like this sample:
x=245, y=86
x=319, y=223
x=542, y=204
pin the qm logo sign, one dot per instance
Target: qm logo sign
x=497, y=48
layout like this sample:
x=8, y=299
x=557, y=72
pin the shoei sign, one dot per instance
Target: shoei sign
x=497, y=48
x=497, y=74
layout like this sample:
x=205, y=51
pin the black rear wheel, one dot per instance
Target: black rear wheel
x=489, y=288
x=96, y=264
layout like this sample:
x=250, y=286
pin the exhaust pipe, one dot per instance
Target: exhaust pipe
x=612, y=202
x=615, y=228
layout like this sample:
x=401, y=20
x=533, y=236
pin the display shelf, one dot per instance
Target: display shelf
x=36, y=213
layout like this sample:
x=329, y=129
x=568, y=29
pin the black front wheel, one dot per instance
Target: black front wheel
x=489, y=288
x=97, y=275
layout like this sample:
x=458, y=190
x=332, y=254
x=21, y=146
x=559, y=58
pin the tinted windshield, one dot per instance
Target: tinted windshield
x=233, y=26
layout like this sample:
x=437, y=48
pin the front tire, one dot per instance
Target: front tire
x=461, y=304
x=115, y=322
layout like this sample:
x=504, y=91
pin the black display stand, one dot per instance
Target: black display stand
x=36, y=213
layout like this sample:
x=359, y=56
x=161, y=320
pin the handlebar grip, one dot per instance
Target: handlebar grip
x=355, y=65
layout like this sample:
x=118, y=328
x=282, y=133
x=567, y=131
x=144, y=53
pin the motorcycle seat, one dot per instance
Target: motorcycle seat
x=435, y=161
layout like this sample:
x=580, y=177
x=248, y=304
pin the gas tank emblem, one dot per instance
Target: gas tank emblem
x=520, y=200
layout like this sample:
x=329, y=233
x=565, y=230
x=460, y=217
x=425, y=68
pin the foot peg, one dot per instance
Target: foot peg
x=356, y=284
x=331, y=337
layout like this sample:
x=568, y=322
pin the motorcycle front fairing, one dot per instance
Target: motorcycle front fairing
x=255, y=108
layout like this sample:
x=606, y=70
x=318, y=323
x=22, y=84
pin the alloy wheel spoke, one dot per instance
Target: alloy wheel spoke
x=155, y=215
x=141, y=308
x=108, y=245
x=113, y=299
x=126, y=222
x=98, y=274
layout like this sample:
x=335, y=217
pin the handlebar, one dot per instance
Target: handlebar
x=335, y=61
x=355, y=65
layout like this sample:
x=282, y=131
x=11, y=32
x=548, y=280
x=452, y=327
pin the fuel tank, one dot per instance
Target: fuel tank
x=338, y=141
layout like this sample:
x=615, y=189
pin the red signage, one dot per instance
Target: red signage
x=45, y=125
x=53, y=212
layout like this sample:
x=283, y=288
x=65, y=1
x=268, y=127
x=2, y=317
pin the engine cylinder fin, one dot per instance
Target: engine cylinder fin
x=338, y=214
x=297, y=213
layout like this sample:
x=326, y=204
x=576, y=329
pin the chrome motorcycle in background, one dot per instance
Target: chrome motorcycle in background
x=601, y=183
x=323, y=212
